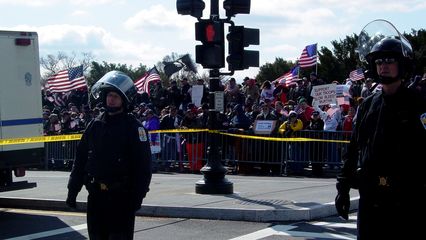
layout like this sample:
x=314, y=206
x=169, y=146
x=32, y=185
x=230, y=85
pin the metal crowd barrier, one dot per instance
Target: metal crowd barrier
x=277, y=155
x=186, y=151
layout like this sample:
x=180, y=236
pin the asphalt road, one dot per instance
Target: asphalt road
x=18, y=224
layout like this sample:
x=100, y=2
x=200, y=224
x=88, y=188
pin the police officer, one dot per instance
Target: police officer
x=113, y=161
x=385, y=159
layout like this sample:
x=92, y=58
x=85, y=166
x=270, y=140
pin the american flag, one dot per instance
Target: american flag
x=309, y=56
x=356, y=75
x=144, y=83
x=287, y=78
x=58, y=99
x=67, y=80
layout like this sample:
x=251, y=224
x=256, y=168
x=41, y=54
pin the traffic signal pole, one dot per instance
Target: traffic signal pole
x=214, y=181
x=210, y=54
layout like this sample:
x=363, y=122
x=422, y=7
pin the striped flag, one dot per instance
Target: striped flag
x=67, y=80
x=309, y=56
x=287, y=78
x=356, y=75
x=145, y=82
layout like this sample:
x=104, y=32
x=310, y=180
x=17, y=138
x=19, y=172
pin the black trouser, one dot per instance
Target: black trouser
x=110, y=215
x=391, y=216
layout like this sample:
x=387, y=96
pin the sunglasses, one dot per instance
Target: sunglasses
x=381, y=61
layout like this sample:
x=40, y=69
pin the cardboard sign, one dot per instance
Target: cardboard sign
x=324, y=94
x=264, y=126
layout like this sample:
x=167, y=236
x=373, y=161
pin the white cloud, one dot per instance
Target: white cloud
x=32, y=3
x=79, y=13
x=104, y=45
x=96, y=2
x=158, y=19
x=43, y=3
x=158, y=16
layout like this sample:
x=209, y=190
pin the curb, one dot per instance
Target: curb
x=239, y=214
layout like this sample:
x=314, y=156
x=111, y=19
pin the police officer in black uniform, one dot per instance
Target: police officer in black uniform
x=113, y=161
x=386, y=157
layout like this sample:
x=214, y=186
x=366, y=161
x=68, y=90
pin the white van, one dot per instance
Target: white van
x=20, y=106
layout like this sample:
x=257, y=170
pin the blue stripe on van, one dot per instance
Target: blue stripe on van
x=15, y=122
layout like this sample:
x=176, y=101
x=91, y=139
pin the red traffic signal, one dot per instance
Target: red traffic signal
x=208, y=31
x=212, y=53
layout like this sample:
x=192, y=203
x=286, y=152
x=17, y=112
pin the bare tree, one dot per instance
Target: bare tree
x=55, y=63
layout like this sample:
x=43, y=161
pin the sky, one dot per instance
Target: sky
x=145, y=31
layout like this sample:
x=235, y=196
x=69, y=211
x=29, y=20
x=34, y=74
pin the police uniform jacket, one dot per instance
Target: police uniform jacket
x=113, y=150
x=387, y=147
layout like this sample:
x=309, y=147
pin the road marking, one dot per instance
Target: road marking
x=43, y=212
x=50, y=233
x=285, y=230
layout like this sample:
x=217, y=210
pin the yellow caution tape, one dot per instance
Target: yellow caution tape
x=277, y=139
x=179, y=130
x=39, y=139
x=72, y=137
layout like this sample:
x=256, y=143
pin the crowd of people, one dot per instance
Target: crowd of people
x=172, y=107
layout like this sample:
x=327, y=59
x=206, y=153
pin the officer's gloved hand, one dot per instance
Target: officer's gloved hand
x=342, y=201
x=71, y=200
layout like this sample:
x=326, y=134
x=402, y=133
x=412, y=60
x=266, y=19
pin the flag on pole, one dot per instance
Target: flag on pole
x=145, y=82
x=184, y=62
x=67, y=80
x=356, y=74
x=288, y=78
x=189, y=64
x=309, y=56
x=171, y=68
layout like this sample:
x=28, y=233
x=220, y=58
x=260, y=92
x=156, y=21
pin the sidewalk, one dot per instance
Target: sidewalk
x=255, y=198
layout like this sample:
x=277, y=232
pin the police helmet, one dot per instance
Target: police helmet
x=391, y=48
x=380, y=39
x=118, y=82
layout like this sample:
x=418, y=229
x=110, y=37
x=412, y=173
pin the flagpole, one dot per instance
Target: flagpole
x=316, y=60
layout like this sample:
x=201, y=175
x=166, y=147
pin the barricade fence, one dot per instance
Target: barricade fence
x=187, y=151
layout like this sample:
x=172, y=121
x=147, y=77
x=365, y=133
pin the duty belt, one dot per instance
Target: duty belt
x=108, y=186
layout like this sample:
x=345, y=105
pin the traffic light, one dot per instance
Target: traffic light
x=238, y=38
x=212, y=53
x=190, y=7
x=233, y=7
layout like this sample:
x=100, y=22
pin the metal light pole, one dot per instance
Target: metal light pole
x=214, y=181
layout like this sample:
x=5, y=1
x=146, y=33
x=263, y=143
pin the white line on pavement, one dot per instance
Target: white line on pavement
x=284, y=230
x=50, y=233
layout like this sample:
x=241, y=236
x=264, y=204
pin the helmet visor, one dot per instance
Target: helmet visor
x=118, y=81
x=376, y=31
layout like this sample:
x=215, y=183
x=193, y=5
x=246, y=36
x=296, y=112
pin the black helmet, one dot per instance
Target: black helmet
x=115, y=81
x=380, y=39
x=391, y=48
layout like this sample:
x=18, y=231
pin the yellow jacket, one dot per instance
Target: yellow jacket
x=298, y=125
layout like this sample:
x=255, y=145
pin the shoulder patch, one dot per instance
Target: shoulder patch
x=142, y=134
x=423, y=120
